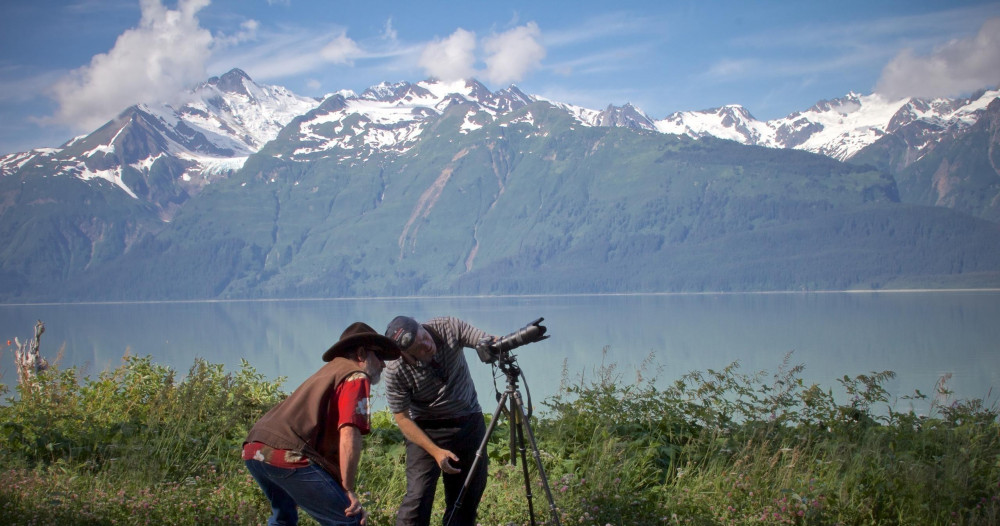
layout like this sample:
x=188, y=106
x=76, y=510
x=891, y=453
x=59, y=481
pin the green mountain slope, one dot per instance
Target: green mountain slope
x=535, y=203
x=59, y=228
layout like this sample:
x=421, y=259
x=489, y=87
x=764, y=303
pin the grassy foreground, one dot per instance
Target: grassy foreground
x=138, y=445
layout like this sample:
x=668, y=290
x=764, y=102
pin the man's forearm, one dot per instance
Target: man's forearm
x=350, y=455
x=413, y=433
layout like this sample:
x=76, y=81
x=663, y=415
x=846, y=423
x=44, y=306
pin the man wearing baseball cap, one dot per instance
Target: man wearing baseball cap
x=304, y=452
x=433, y=400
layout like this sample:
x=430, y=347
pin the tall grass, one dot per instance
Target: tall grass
x=132, y=446
x=722, y=447
x=138, y=445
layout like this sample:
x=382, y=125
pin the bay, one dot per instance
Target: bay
x=921, y=336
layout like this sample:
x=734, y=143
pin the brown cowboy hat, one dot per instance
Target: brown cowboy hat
x=360, y=334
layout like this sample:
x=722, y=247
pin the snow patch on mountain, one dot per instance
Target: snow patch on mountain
x=732, y=122
x=440, y=90
x=147, y=163
x=584, y=116
x=526, y=118
x=838, y=128
x=113, y=176
x=469, y=124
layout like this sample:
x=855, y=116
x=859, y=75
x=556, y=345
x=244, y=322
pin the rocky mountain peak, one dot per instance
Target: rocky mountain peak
x=234, y=81
x=627, y=116
x=389, y=92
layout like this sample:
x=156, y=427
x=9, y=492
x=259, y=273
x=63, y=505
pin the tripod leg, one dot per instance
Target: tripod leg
x=517, y=423
x=513, y=434
x=479, y=455
x=526, y=425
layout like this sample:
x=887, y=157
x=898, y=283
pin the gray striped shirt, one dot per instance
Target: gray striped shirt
x=443, y=388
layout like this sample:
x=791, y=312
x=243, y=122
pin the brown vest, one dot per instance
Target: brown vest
x=299, y=422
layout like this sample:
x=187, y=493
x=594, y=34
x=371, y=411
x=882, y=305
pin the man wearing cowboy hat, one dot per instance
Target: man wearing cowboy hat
x=305, y=451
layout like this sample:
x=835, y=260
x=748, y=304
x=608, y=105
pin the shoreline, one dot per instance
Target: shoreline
x=510, y=296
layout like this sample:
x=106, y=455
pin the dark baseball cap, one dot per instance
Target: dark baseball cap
x=403, y=331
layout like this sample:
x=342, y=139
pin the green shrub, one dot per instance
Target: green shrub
x=138, y=445
x=136, y=420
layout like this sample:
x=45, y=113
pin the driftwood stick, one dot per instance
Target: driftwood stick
x=28, y=359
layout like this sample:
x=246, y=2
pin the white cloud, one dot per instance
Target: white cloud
x=275, y=55
x=155, y=61
x=726, y=68
x=512, y=54
x=509, y=56
x=341, y=50
x=452, y=58
x=956, y=68
x=389, y=33
x=19, y=86
x=247, y=32
x=602, y=62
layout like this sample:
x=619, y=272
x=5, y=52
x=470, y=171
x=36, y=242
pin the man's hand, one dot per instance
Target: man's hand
x=443, y=457
x=355, y=507
x=414, y=434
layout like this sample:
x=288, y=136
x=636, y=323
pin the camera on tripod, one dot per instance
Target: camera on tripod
x=492, y=349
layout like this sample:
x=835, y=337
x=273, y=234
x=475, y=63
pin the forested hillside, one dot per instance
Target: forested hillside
x=534, y=203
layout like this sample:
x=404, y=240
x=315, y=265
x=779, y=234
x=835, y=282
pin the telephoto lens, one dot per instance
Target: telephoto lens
x=530, y=333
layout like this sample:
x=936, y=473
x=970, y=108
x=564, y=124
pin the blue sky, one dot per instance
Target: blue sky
x=67, y=67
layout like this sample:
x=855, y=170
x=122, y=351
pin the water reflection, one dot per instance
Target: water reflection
x=919, y=335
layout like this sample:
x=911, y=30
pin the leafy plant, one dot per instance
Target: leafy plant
x=139, y=445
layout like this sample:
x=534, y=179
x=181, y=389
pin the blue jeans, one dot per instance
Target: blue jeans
x=311, y=488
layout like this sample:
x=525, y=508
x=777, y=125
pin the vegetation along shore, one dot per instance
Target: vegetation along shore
x=144, y=444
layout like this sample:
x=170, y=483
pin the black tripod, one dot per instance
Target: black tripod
x=519, y=426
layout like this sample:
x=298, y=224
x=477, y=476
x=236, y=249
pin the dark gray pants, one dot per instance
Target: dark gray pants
x=461, y=438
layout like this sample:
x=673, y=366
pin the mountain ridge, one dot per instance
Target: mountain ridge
x=446, y=187
x=230, y=117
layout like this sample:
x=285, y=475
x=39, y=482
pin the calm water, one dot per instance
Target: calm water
x=921, y=336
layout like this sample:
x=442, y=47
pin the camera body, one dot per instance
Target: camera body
x=492, y=349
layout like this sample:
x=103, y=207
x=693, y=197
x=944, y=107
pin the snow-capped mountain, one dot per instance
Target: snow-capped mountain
x=439, y=187
x=732, y=122
x=839, y=128
x=163, y=154
x=223, y=121
x=392, y=117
